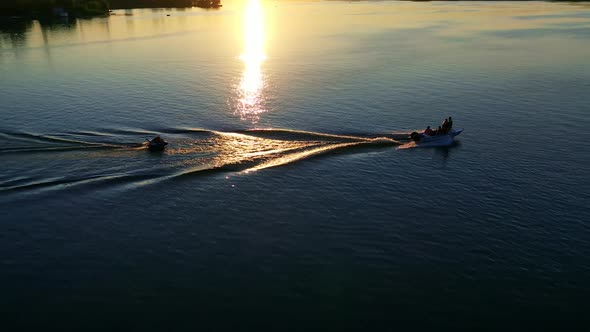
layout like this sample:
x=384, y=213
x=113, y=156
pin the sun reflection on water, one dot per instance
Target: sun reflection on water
x=250, y=103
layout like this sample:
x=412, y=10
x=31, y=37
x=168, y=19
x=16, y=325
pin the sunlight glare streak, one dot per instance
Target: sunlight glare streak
x=252, y=83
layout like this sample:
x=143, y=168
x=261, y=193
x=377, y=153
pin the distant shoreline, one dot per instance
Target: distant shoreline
x=136, y=4
x=89, y=8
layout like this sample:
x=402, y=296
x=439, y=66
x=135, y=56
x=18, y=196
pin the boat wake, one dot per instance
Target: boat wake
x=120, y=158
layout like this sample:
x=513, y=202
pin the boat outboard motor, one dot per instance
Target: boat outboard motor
x=415, y=136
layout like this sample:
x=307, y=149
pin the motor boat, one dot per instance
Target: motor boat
x=156, y=144
x=446, y=139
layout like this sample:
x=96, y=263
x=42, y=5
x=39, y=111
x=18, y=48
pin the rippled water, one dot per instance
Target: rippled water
x=283, y=200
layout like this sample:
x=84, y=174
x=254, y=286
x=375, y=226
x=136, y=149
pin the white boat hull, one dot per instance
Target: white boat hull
x=439, y=140
x=433, y=141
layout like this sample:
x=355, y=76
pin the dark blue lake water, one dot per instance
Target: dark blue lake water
x=283, y=201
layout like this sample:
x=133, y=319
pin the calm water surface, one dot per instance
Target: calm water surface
x=283, y=201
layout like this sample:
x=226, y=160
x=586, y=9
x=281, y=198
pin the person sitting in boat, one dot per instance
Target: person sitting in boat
x=429, y=131
x=439, y=131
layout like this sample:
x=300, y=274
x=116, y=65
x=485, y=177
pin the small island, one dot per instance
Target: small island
x=128, y=4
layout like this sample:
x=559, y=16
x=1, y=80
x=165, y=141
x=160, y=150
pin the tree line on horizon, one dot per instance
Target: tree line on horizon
x=91, y=7
x=46, y=7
